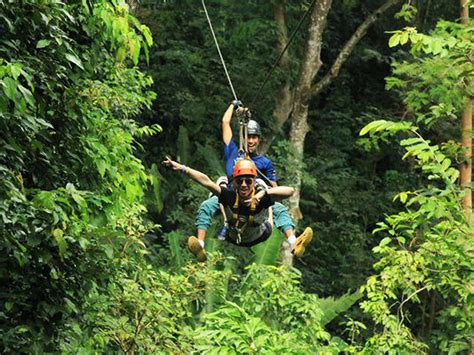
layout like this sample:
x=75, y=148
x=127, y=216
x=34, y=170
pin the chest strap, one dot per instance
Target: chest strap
x=235, y=215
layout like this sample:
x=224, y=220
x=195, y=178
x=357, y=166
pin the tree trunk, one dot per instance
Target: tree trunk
x=309, y=67
x=285, y=96
x=305, y=89
x=466, y=139
x=294, y=101
x=133, y=5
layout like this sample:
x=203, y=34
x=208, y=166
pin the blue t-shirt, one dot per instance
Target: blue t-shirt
x=263, y=164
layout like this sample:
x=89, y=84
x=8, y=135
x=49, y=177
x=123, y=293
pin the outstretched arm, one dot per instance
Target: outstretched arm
x=281, y=192
x=196, y=175
x=277, y=193
x=226, y=129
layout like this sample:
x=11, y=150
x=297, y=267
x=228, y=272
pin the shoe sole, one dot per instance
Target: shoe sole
x=305, y=239
x=196, y=249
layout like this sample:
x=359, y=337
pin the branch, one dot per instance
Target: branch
x=400, y=308
x=349, y=47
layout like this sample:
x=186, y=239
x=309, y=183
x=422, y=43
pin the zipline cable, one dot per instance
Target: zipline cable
x=270, y=72
x=243, y=121
x=219, y=50
x=243, y=134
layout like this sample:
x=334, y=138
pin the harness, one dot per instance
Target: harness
x=235, y=216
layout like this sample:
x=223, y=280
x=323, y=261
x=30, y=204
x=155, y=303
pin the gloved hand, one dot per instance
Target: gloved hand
x=237, y=104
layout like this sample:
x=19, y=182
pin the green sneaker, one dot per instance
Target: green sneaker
x=302, y=242
x=195, y=247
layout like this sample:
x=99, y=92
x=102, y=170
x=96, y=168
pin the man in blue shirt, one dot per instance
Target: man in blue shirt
x=266, y=171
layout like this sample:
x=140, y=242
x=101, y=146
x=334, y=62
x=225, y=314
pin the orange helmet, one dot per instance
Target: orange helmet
x=244, y=167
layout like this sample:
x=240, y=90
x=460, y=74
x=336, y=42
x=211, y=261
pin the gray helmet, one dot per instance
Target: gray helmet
x=254, y=128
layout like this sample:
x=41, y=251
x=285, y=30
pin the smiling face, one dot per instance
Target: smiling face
x=245, y=185
x=252, y=143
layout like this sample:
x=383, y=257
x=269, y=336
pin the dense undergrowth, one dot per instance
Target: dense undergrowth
x=80, y=271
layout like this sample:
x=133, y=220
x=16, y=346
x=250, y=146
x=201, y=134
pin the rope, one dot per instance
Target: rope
x=243, y=133
x=242, y=122
x=267, y=180
x=218, y=49
x=270, y=72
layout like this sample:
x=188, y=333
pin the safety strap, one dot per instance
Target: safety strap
x=235, y=215
x=239, y=229
x=244, y=118
x=243, y=140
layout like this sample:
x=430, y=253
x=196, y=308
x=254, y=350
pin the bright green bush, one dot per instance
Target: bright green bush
x=70, y=186
x=143, y=310
x=421, y=299
x=425, y=256
x=268, y=312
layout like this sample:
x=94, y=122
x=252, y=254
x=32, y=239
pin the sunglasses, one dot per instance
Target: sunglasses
x=240, y=181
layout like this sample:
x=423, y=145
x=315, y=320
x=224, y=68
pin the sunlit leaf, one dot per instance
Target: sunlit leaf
x=73, y=59
x=43, y=43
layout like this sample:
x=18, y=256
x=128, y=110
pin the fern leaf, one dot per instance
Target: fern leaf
x=332, y=307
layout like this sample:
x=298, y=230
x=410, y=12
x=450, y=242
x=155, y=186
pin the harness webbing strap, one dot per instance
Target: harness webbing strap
x=252, y=209
x=241, y=138
x=235, y=215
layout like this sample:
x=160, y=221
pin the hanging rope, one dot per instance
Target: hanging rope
x=243, y=118
x=270, y=72
x=219, y=50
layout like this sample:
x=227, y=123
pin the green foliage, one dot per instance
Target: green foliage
x=154, y=199
x=175, y=250
x=421, y=299
x=407, y=12
x=155, y=311
x=332, y=306
x=269, y=314
x=215, y=296
x=440, y=73
x=426, y=251
x=70, y=185
x=284, y=158
x=123, y=32
x=183, y=146
x=143, y=310
x=74, y=270
x=267, y=253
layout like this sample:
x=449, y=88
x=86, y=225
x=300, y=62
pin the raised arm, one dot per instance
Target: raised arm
x=196, y=175
x=226, y=129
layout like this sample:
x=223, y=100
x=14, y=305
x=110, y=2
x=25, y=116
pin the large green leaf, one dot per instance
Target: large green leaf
x=267, y=253
x=156, y=179
x=183, y=145
x=212, y=245
x=177, y=257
